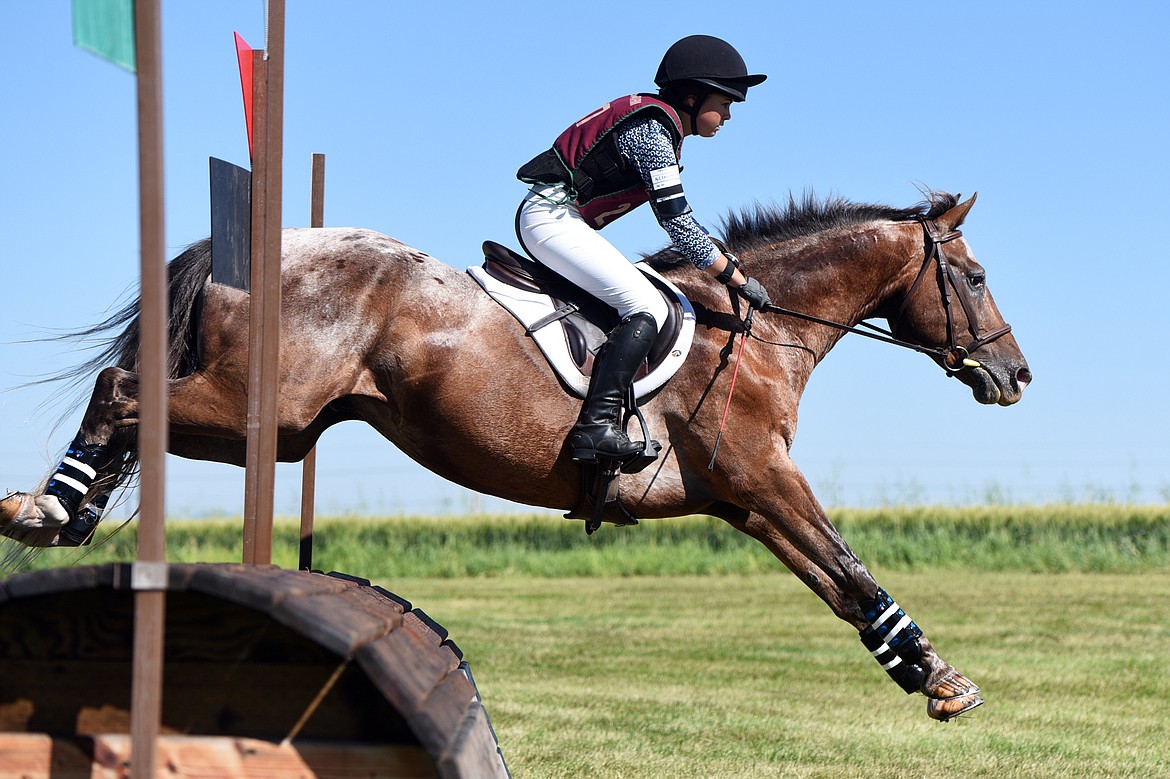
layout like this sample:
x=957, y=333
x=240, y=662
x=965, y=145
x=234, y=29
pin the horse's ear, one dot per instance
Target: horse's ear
x=953, y=218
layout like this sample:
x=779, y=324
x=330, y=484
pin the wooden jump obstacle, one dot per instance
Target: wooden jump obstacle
x=267, y=672
x=213, y=671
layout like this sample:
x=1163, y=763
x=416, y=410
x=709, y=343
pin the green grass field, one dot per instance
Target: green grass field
x=751, y=676
x=680, y=649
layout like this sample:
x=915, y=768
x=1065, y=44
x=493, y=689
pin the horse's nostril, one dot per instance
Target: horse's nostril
x=1023, y=376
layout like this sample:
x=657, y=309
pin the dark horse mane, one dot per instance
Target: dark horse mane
x=763, y=225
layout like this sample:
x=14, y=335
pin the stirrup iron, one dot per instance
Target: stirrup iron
x=650, y=447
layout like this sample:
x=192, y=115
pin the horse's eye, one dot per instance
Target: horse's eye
x=976, y=278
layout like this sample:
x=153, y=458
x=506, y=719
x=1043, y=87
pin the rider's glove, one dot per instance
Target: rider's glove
x=754, y=293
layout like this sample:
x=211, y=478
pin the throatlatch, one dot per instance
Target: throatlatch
x=892, y=638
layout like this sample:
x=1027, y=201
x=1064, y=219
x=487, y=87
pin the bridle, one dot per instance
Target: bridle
x=954, y=357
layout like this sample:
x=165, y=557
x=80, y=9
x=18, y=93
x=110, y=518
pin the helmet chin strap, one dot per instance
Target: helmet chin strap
x=693, y=111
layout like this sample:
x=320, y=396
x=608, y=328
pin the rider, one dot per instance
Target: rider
x=614, y=159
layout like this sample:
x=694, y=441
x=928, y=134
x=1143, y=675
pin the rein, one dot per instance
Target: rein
x=954, y=357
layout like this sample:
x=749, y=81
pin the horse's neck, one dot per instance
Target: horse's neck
x=844, y=275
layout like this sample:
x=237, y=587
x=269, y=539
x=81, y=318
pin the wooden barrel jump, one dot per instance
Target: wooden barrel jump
x=267, y=672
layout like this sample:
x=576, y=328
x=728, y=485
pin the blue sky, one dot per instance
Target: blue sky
x=1057, y=113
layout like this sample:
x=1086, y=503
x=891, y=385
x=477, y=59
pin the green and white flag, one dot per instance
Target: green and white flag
x=106, y=28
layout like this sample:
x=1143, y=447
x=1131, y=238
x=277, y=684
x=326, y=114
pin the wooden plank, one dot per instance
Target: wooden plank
x=261, y=700
x=422, y=624
x=338, y=621
x=473, y=751
x=38, y=756
x=53, y=580
x=437, y=721
x=52, y=613
x=258, y=587
x=404, y=668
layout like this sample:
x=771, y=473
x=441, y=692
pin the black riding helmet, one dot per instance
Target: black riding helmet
x=709, y=61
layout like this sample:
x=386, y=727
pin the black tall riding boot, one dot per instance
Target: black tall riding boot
x=598, y=432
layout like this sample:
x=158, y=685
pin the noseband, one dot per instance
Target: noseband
x=956, y=357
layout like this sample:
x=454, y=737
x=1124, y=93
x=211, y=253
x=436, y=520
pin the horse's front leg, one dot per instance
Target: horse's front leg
x=91, y=469
x=786, y=517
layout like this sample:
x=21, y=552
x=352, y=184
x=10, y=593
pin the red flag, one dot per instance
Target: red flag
x=244, y=55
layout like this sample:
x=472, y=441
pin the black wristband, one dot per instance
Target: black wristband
x=724, y=276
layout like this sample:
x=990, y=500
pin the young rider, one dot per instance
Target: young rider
x=620, y=156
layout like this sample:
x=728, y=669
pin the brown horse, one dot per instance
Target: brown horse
x=375, y=330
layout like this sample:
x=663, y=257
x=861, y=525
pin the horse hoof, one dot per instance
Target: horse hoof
x=31, y=520
x=19, y=509
x=953, y=685
x=949, y=708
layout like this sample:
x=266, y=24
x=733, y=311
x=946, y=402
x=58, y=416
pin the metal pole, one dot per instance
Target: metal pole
x=150, y=594
x=309, y=466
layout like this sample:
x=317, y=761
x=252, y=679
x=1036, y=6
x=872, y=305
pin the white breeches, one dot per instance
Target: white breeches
x=554, y=233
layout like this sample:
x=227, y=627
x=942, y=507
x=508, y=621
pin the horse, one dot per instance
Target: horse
x=374, y=330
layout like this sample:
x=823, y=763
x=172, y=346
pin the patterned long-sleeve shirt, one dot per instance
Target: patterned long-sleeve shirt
x=647, y=145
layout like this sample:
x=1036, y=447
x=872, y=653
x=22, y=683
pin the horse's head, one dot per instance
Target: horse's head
x=947, y=306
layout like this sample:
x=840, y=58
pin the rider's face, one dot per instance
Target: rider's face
x=716, y=110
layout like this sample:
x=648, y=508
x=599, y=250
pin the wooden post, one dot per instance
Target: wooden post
x=257, y=479
x=309, y=466
x=264, y=325
x=149, y=598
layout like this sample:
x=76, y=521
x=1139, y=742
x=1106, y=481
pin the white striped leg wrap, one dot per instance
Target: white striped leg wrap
x=892, y=638
x=892, y=626
x=75, y=474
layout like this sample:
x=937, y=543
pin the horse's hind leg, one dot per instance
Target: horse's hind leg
x=208, y=420
x=790, y=522
x=97, y=460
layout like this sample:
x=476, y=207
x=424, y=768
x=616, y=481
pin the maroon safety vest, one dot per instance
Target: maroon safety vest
x=586, y=160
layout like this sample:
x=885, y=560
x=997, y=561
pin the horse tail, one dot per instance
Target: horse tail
x=117, y=341
x=117, y=338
